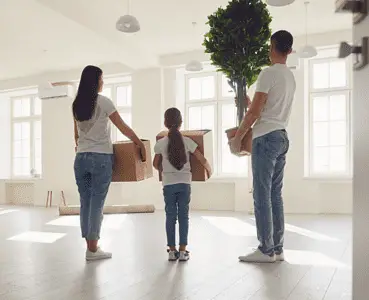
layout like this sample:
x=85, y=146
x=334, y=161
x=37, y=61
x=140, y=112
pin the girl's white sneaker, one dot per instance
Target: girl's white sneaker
x=184, y=255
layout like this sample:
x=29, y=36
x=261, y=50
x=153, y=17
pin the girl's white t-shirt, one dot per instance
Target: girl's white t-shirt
x=170, y=174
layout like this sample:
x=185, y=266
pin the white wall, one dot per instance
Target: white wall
x=360, y=288
x=153, y=91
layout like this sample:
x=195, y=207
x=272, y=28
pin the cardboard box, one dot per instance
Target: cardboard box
x=246, y=146
x=128, y=165
x=204, y=140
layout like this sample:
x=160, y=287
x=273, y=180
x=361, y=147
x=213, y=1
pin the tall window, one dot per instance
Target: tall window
x=121, y=95
x=329, y=117
x=210, y=104
x=26, y=136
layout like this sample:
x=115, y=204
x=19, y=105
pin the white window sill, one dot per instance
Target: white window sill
x=329, y=178
x=227, y=179
x=22, y=180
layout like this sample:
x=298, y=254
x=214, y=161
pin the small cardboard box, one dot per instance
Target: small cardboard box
x=128, y=165
x=246, y=144
x=204, y=140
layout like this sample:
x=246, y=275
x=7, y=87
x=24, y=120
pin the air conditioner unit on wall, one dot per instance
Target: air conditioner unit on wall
x=293, y=61
x=55, y=90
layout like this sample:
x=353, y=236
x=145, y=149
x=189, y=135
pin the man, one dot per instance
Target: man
x=270, y=109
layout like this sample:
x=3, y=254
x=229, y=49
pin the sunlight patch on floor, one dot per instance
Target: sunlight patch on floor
x=232, y=226
x=37, y=237
x=109, y=222
x=311, y=258
x=7, y=211
x=308, y=233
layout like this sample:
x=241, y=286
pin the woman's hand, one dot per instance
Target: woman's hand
x=142, y=148
x=209, y=171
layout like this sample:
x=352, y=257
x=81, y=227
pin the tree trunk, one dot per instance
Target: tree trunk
x=241, y=100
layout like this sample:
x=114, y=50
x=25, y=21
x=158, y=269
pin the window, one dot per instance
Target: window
x=329, y=117
x=121, y=95
x=210, y=105
x=26, y=136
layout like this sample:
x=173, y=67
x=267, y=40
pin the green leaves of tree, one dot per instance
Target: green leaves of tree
x=238, y=39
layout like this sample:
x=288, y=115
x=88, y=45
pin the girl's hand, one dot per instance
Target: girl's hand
x=142, y=151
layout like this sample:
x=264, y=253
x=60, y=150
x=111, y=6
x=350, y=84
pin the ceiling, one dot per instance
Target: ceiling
x=50, y=35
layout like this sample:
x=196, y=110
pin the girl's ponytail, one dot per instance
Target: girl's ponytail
x=177, y=155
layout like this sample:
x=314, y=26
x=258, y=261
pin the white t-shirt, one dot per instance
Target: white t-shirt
x=94, y=134
x=170, y=174
x=279, y=83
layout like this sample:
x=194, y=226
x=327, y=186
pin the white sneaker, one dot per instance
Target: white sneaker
x=257, y=257
x=184, y=256
x=99, y=254
x=279, y=257
x=173, y=255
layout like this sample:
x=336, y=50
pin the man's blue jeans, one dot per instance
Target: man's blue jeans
x=268, y=162
x=177, y=200
x=93, y=173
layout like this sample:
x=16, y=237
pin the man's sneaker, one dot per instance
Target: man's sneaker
x=99, y=254
x=173, y=255
x=184, y=256
x=279, y=256
x=257, y=257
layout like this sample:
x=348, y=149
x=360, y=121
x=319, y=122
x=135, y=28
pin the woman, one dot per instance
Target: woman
x=94, y=159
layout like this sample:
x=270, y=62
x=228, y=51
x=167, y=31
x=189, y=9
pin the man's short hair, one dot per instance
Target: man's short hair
x=283, y=41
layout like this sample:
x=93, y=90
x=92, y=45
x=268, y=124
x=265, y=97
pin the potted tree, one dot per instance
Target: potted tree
x=238, y=44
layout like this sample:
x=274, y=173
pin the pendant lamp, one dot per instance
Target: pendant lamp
x=307, y=51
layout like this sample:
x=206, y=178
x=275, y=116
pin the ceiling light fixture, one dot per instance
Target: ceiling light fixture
x=194, y=65
x=279, y=2
x=308, y=51
x=128, y=23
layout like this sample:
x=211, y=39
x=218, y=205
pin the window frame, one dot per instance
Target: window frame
x=31, y=119
x=120, y=109
x=314, y=92
x=217, y=101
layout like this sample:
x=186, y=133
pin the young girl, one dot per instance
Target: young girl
x=172, y=157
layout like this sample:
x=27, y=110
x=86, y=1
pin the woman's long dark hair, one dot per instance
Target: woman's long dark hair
x=85, y=102
x=176, y=148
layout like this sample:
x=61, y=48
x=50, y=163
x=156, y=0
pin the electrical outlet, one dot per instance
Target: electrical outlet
x=359, y=8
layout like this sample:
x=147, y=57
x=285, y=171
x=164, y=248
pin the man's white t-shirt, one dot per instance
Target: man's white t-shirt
x=279, y=83
x=94, y=135
x=170, y=174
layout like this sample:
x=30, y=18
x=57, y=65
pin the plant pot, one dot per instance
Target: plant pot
x=246, y=144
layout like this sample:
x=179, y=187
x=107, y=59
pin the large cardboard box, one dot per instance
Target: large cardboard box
x=246, y=146
x=204, y=140
x=128, y=165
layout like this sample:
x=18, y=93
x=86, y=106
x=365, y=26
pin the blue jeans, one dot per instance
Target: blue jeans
x=93, y=173
x=177, y=199
x=268, y=162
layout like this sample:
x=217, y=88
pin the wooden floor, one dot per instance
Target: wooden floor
x=42, y=257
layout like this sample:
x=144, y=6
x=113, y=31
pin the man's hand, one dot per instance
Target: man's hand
x=235, y=145
x=247, y=101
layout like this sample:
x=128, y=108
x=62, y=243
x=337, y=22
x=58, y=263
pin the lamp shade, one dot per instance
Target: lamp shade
x=194, y=66
x=128, y=24
x=279, y=2
x=308, y=52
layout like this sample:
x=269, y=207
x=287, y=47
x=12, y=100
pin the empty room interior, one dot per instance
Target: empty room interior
x=210, y=60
